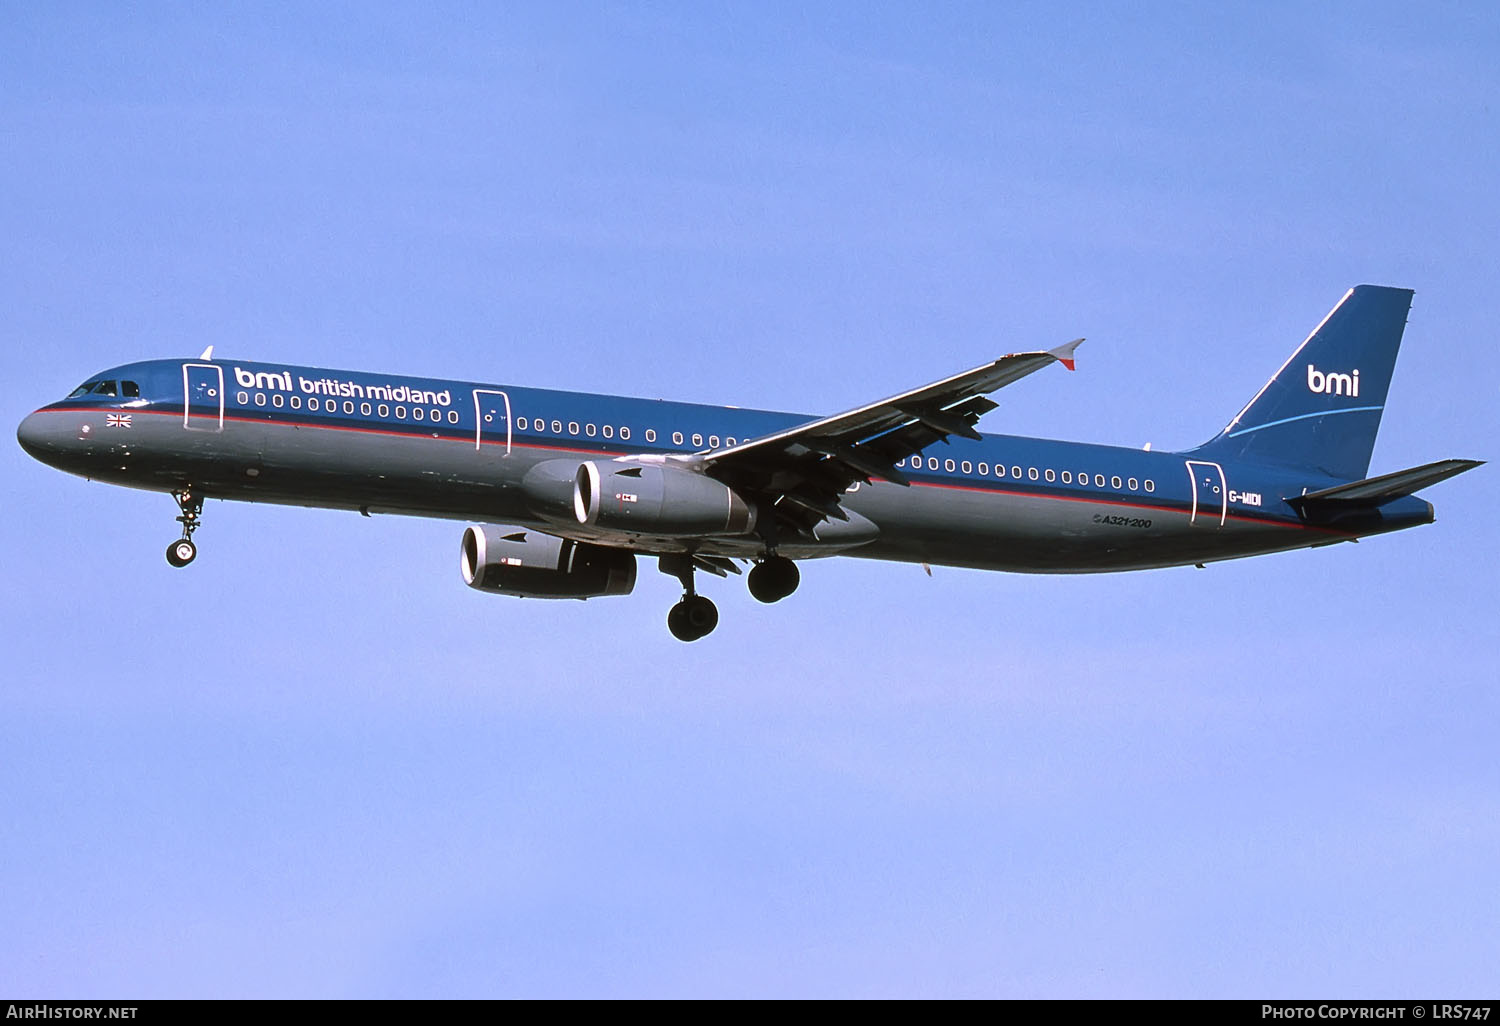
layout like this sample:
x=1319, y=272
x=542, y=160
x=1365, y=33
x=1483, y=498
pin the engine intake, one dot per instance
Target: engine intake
x=529, y=564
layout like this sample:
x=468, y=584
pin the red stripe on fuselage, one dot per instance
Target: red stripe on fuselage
x=468, y=440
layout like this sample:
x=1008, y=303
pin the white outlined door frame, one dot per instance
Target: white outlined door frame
x=194, y=416
x=1209, y=492
x=485, y=413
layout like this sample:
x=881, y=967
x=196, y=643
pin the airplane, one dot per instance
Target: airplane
x=565, y=489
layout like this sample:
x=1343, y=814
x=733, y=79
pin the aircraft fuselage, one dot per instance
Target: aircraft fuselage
x=460, y=450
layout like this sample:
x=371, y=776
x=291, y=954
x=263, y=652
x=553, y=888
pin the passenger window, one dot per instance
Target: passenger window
x=697, y=440
x=243, y=398
x=572, y=427
x=296, y=402
x=364, y=409
x=312, y=404
x=1031, y=473
x=948, y=466
x=1015, y=472
x=383, y=410
x=1067, y=477
x=1099, y=480
x=625, y=434
x=1133, y=484
x=260, y=398
x=1150, y=485
x=608, y=431
x=130, y=390
x=984, y=470
x=520, y=423
x=590, y=430
x=557, y=427
x=400, y=412
x=713, y=441
x=1051, y=476
x=1115, y=482
x=348, y=405
x=452, y=416
x=676, y=437
x=277, y=400
x=966, y=467
x=650, y=434
x=932, y=463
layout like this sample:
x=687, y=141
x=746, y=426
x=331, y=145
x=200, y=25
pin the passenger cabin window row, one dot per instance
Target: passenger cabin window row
x=540, y=424
x=348, y=406
x=1018, y=473
x=419, y=413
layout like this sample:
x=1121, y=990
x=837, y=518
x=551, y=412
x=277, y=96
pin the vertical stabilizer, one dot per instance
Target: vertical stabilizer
x=1321, y=411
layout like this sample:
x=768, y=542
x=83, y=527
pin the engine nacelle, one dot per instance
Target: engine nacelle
x=653, y=499
x=635, y=498
x=529, y=564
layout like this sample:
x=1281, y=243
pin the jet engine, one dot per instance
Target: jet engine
x=529, y=564
x=656, y=499
x=637, y=498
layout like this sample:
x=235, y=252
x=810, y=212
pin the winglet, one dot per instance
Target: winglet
x=1064, y=353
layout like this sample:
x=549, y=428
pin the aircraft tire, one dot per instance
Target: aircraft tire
x=677, y=623
x=773, y=579
x=692, y=618
x=181, y=552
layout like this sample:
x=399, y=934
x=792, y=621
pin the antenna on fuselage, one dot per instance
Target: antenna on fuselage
x=208, y=354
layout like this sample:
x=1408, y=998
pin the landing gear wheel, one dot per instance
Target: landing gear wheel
x=692, y=618
x=773, y=579
x=182, y=552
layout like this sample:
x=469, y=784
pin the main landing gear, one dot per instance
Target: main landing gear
x=695, y=616
x=182, y=551
x=773, y=579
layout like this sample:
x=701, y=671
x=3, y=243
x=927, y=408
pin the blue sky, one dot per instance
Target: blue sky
x=315, y=764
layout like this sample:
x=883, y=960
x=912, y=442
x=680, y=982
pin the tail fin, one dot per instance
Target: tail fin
x=1322, y=409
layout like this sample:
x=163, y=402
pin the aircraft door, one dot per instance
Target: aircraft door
x=491, y=420
x=1210, y=496
x=203, y=397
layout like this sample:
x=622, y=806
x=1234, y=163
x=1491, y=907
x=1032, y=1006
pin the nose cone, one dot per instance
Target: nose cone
x=54, y=438
x=32, y=434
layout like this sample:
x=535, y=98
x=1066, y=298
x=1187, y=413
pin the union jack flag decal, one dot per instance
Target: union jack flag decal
x=121, y=420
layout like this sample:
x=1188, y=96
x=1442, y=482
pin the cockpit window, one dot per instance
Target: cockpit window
x=130, y=390
x=83, y=389
x=103, y=388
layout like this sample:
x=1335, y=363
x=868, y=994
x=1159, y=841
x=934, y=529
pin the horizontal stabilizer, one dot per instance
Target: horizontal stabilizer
x=1374, y=491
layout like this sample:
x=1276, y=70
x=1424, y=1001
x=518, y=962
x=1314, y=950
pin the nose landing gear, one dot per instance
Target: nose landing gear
x=182, y=551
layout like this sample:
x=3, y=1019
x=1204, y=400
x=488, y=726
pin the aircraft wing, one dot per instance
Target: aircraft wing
x=802, y=472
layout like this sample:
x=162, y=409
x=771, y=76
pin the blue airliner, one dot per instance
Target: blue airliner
x=568, y=488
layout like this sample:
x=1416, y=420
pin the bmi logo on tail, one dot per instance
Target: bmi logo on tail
x=1329, y=383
